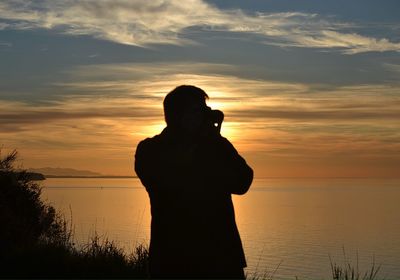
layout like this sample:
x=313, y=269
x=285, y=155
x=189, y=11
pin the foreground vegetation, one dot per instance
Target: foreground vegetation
x=348, y=271
x=36, y=242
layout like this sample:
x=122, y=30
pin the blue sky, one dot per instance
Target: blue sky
x=291, y=72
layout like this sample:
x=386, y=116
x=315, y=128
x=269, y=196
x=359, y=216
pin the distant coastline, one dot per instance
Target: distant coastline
x=34, y=176
x=87, y=177
x=60, y=172
x=41, y=177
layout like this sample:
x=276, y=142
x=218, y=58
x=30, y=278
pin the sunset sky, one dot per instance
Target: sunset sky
x=308, y=87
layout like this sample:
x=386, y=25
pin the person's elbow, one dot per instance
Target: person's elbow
x=243, y=182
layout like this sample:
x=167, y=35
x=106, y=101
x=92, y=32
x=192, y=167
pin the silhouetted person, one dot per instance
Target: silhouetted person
x=190, y=172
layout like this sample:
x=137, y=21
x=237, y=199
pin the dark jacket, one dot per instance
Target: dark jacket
x=193, y=228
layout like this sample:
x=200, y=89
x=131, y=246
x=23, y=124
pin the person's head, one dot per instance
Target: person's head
x=185, y=107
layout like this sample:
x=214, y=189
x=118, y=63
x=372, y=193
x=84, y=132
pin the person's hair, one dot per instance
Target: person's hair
x=178, y=99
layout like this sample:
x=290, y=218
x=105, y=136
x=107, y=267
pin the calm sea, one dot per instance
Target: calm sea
x=289, y=227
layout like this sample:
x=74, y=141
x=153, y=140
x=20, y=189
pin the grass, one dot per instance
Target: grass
x=97, y=259
x=348, y=271
x=343, y=271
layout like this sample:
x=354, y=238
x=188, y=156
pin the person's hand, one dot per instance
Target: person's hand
x=209, y=132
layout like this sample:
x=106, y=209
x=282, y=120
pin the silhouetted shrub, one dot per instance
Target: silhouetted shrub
x=24, y=218
x=36, y=242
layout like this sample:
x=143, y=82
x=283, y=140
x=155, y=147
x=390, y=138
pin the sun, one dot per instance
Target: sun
x=154, y=128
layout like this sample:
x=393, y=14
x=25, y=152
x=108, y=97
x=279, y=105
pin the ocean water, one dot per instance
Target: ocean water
x=289, y=227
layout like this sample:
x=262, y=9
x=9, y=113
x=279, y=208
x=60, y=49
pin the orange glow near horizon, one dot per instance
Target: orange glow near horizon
x=277, y=128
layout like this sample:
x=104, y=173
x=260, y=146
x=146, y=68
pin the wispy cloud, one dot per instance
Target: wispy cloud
x=18, y=116
x=392, y=67
x=3, y=25
x=135, y=91
x=143, y=22
x=6, y=44
x=350, y=43
x=100, y=120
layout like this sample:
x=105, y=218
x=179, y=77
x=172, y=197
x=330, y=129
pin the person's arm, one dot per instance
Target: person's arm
x=229, y=168
x=239, y=173
x=143, y=165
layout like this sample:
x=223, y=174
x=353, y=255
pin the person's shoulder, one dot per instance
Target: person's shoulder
x=150, y=142
x=224, y=141
x=225, y=145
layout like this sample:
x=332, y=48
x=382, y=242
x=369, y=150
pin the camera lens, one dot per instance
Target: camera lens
x=217, y=117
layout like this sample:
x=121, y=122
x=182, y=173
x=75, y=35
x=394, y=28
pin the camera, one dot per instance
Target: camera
x=215, y=118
